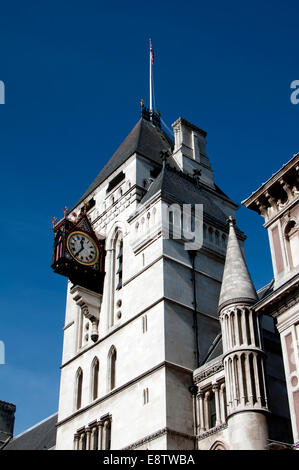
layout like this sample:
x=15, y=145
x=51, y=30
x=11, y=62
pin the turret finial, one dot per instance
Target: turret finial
x=231, y=220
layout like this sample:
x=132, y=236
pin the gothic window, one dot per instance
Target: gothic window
x=292, y=240
x=95, y=378
x=78, y=389
x=116, y=272
x=119, y=263
x=112, y=356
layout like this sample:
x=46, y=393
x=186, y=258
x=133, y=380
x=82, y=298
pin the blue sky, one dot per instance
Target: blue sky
x=74, y=74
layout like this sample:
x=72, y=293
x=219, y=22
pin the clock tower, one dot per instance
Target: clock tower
x=133, y=337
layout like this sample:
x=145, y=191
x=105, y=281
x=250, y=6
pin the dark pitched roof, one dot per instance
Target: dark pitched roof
x=145, y=139
x=42, y=436
x=178, y=186
x=264, y=291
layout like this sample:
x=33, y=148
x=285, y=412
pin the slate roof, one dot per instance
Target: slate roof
x=264, y=291
x=145, y=139
x=177, y=186
x=42, y=436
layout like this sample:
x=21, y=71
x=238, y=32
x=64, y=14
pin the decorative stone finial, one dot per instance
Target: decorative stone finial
x=231, y=220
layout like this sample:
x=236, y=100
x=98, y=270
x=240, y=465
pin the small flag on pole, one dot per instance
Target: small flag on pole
x=151, y=52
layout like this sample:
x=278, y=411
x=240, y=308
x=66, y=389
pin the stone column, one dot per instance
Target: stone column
x=202, y=427
x=100, y=435
x=81, y=442
x=76, y=442
x=88, y=435
x=257, y=382
x=215, y=389
x=222, y=403
x=206, y=409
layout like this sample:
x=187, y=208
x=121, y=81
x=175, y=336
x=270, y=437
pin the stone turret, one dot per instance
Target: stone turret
x=243, y=354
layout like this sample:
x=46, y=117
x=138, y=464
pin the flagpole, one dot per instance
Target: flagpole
x=150, y=58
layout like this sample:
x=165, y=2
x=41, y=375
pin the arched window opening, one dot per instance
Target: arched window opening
x=232, y=322
x=95, y=378
x=236, y=376
x=243, y=368
x=212, y=411
x=246, y=313
x=79, y=384
x=292, y=240
x=218, y=445
x=119, y=263
x=112, y=368
x=240, y=330
x=115, y=272
x=252, y=378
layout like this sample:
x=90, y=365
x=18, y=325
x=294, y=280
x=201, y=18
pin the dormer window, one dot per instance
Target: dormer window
x=115, y=181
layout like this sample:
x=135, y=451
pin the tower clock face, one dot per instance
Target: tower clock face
x=83, y=248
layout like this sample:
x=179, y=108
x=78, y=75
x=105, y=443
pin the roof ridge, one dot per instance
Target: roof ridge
x=35, y=426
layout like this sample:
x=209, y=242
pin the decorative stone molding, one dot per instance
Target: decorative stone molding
x=212, y=431
x=210, y=370
x=90, y=303
x=157, y=434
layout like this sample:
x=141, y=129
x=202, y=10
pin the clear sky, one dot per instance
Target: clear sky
x=74, y=73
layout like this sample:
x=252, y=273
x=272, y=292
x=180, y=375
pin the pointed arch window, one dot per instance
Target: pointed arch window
x=95, y=378
x=112, y=357
x=119, y=262
x=116, y=272
x=78, y=389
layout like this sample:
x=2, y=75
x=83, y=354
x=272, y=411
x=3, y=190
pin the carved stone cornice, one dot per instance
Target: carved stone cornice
x=207, y=371
x=211, y=431
x=155, y=435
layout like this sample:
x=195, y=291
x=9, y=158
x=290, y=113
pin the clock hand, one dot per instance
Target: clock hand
x=82, y=248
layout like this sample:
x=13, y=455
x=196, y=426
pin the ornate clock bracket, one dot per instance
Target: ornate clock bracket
x=90, y=303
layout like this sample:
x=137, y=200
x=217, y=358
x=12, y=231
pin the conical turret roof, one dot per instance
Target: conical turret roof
x=237, y=284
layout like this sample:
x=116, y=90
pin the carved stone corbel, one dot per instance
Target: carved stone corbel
x=90, y=303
